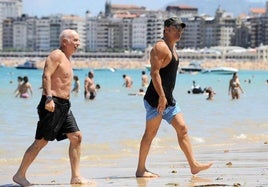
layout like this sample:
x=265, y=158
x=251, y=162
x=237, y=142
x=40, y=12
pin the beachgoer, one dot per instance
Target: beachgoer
x=19, y=79
x=159, y=101
x=56, y=120
x=76, y=87
x=140, y=92
x=210, y=92
x=196, y=89
x=89, y=86
x=128, y=81
x=25, y=89
x=144, y=80
x=235, y=87
x=98, y=86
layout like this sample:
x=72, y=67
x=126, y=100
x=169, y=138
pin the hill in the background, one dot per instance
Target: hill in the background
x=209, y=6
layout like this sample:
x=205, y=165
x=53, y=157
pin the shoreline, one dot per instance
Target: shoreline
x=126, y=63
x=232, y=166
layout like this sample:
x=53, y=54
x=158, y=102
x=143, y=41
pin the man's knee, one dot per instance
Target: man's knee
x=183, y=131
x=75, y=137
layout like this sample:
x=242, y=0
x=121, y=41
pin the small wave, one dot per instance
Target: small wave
x=8, y=161
x=241, y=136
x=251, y=137
x=198, y=140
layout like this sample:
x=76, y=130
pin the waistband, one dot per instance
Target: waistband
x=57, y=99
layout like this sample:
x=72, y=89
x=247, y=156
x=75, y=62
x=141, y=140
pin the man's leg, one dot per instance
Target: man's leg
x=74, y=154
x=185, y=144
x=151, y=129
x=28, y=158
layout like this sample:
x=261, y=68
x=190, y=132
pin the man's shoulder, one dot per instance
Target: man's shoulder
x=56, y=52
x=160, y=46
x=160, y=49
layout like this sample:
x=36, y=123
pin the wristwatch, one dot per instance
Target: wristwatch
x=49, y=98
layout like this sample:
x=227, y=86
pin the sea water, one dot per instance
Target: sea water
x=113, y=123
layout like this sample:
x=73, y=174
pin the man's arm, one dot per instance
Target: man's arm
x=51, y=64
x=87, y=84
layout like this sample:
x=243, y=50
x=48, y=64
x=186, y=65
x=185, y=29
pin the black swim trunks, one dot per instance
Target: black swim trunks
x=55, y=125
x=91, y=95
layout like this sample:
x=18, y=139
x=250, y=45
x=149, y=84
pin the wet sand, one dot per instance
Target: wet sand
x=234, y=165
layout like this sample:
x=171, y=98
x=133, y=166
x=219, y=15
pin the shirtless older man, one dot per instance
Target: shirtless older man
x=56, y=120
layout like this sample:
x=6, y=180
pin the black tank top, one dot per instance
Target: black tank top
x=168, y=76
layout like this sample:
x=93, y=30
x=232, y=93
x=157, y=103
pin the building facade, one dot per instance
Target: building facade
x=129, y=27
x=8, y=9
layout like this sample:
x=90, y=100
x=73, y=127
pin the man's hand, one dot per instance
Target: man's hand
x=162, y=102
x=50, y=106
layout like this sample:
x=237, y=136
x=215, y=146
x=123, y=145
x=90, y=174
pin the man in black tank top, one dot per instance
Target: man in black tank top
x=159, y=101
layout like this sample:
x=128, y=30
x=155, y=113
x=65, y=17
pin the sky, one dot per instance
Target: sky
x=79, y=7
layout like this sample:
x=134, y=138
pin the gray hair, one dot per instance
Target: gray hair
x=66, y=34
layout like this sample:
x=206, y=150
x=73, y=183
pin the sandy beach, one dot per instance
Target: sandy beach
x=136, y=63
x=234, y=165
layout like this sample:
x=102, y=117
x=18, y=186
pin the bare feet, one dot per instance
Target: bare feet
x=200, y=167
x=81, y=180
x=146, y=174
x=21, y=180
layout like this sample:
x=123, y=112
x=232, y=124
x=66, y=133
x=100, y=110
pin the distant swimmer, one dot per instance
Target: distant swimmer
x=210, y=92
x=128, y=81
x=20, y=81
x=140, y=92
x=76, y=87
x=25, y=89
x=144, y=80
x=90, y=87
x=235, y=87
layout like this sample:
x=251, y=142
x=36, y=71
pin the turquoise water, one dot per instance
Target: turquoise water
x=112, y=125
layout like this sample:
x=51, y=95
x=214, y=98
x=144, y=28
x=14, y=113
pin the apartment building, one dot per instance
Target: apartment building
x=225, y=24
x=193, y=35
x=19, y=33
x=242, y=32
x=139, y=33
x=183, y=10
x=42, y=34
x=20, y=30
x=155, y=26
x=8, y=9
x=258, y=30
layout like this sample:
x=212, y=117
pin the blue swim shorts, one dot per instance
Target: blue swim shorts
x=168, y=113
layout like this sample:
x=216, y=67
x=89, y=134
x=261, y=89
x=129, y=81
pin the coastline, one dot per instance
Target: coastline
x=126, y=63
